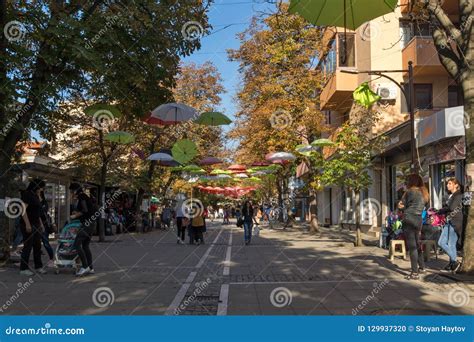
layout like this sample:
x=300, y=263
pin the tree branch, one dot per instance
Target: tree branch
x=435, y=8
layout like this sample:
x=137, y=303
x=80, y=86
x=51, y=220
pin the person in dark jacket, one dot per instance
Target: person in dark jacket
x=48, y=229
x=412, y=203
x=32, y=227
x=247, y=216
x=86, y=212
x=452, y=233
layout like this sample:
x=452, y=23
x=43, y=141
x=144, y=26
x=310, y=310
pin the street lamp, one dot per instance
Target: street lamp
x=410, y=99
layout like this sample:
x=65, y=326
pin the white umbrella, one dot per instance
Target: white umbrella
x=223, y=176
x=280, y=156
x=173, y=113
x=162, y=157
x=241, y=175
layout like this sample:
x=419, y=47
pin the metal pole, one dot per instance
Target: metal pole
x=411, y=105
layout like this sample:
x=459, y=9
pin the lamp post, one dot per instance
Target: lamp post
x=410, y=99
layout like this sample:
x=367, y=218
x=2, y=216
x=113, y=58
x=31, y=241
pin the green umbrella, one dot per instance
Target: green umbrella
x=305, y=150
x=194, y=169
x=184, y=151
x=341, y=13
x=213, y=119
x=103, y=109
x=120, y=137
x=220, y=172
x=364, y=96
x=323, y=142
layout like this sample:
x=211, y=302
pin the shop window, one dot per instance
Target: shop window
x=455, y=97
x=346, y=51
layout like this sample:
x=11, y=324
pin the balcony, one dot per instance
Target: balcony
x=450, y=6
x=422, y=52
x=337, y=93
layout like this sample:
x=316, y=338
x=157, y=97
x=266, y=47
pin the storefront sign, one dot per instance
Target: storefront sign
x=446, y=123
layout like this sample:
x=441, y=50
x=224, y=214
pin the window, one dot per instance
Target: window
x=423, y=95
x=329, y=64
x=346, y=50
x=455, y=97
x=410, y=29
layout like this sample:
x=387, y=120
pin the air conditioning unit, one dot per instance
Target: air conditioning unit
x=387, y=92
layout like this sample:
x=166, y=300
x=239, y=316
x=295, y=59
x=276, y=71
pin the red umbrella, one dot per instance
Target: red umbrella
x=237, y=167
x=260, y=163
x=210, y=161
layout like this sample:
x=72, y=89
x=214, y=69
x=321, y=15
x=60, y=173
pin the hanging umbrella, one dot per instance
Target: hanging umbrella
x=172, y=114
x=194, y=169
x=341, y=13
x=103, y=110
x=260, y=163
x=220, y=172
x=222, y=176
x=241, y=175
x=210, y=161
x=184, y=151
x=161, y=157
x=305, y=150
x=120, y=137
x=323, y=142
x=213, y=119
x=237, y=167
x=365, y=96
x=280, y=156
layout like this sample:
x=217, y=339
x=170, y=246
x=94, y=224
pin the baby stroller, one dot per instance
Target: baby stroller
x=66, y=255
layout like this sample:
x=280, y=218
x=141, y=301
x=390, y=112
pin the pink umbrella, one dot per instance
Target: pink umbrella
x=237, y=167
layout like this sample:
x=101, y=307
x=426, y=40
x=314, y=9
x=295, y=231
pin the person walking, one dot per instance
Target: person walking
x=48, y=229
x=181, y=227
x=452, y=231
x=247, y=216
x=197, y=228
x=31, y=227
x=86, y=211
x=412, y=203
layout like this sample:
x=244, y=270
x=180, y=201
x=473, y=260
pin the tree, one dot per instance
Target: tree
x=349, y=166
x=455, y=46
x=51, y=50
x=278, y=102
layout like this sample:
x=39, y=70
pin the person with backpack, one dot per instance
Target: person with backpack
x=412, y=203
x=197, y=228
x=247, y=216
x=453, y=229
x=87, y=212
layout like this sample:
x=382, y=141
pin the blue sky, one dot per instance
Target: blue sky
x=228, y=18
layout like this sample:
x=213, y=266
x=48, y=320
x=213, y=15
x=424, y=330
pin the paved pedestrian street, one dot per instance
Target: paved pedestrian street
x=283, y=272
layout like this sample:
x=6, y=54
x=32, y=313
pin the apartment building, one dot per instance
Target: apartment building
x=387, y=44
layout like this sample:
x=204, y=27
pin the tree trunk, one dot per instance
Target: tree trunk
x=313, y=211
x=468, y=89
x=358, y=240
x=103, y=178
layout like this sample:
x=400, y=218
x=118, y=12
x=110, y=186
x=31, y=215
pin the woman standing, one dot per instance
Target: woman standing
x=247, y=216
x=412, y=204
x=32, y=227
x=48, y=229
x=452, y=231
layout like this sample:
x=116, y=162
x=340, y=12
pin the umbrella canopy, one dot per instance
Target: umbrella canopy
x=194, y=169
x=323, y=142
x=220, y=172
x=305, y=150
x=213, y=119
x=184, y=151
x=103, y=109
x=260, y=163
x=120, y=137
x=210, y=161
x=280, y=156
x=237, y=167
x=161, y=157
x=341, y=13
x=241, y=175
x=172, y=114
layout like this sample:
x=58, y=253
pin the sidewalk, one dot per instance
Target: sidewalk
x=281, y=272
